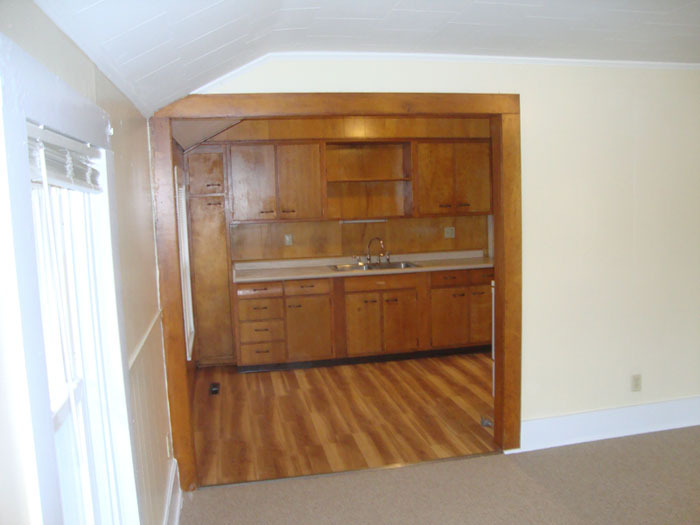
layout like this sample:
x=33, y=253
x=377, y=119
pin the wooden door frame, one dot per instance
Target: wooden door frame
x=504, y=114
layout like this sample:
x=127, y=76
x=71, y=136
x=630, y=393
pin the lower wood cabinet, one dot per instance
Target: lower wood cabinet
x=400, y=320
x=363, y=323
x=296, y=321
x=309, y=335
x=381, y=322
x=449, y=316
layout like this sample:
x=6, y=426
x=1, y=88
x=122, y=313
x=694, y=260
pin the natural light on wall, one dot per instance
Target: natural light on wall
x=71, y=225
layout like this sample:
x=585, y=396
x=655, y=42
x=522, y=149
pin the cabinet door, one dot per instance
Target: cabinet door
x=479, y=314
x=473, y=177
x=435, y=178
x=253, y=182
x=400, y=310
x=206, y=173
x=210, y=292
x=363, y=323
x=449, y=313
x=309, y=328
x=299, y=179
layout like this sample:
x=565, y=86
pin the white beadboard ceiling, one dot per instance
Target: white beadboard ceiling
x=157, y=51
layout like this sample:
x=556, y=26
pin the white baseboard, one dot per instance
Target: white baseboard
x=173, y=501
x=536, y=434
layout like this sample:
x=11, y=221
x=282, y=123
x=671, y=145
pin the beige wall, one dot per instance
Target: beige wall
x=611, y=214
x=24, y=23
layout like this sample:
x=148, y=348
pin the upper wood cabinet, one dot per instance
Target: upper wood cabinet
x=206, y=173
x=453, y=178
x=253, y=185
x=281, y=181
x=299, y=180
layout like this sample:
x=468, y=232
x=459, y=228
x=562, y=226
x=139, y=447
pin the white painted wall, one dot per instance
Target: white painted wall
x=25, y=24
x=611, y=212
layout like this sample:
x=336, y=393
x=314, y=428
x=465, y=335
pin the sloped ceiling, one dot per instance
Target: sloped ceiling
x=157, y=51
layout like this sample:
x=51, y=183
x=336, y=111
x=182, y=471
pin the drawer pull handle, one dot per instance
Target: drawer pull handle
x=464, y=204
x=308, y=285
x=213, y=204
x=457, y=295
x=393, y=300
x=259, y=289
x=294, y=306
x=267, y=211
x=288, y=211
x=259, y=307
x=445, y=205
x=212, y=185
x=261, y=329
x=478, y=293
x=449, y=277
x=370, y=301
x=262, y=351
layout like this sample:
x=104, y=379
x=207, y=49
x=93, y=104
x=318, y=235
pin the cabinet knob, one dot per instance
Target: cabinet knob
x=259, y=289
x=267, y=211
x=288, y=211
x=261, y=329
x=212, y=185
x=457, y=295
x=464, y=204
x=370, y=301
x=444, y=205
x=293, y=306
x=392, y=300
x=478, y=293
x=259, y=307
x=262, y=351
x=307, y=286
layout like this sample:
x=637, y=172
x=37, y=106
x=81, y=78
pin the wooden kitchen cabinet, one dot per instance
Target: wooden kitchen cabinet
x=299, y=181
x=480, y=314
x=453, y=178
x=253, y=182
x=435, y=185
x=449, y=315
x=363, y=323
x=210, y=291
x=400, y=320
x=309, y=335
x=280, y=181
x=473, y=177
x=206, y=172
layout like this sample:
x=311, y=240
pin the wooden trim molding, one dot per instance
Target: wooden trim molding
x=503, y=110
x=170, y=290
x=264, y=105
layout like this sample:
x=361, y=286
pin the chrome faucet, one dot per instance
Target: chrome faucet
x=381, y=247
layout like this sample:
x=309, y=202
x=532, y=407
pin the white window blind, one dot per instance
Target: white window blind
x=71, y=223
x=182, y=230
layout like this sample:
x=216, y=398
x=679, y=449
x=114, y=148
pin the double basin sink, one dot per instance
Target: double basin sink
x=360, y=266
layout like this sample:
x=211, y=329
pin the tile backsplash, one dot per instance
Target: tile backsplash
x=332, y=238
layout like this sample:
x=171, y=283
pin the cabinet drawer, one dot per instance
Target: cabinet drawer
x=259, y=331
x=259, y=309
x=381, y=282
x=481, y=276
x=262, y=353
x=271, y=289
x=307, y=287
x=449, y=278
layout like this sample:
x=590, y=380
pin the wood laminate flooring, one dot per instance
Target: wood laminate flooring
x=267, y=425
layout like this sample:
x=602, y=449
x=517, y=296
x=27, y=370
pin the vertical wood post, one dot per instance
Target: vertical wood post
x=170, y=290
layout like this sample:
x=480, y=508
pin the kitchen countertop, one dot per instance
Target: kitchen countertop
x=282, y=270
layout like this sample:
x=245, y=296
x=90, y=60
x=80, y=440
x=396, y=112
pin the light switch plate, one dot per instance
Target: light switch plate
x=449, y=232
x=288, y=239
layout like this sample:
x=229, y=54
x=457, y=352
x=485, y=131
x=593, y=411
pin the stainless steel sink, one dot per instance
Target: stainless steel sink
x=363, y=267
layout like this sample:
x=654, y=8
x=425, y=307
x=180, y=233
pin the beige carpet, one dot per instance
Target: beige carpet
x=650, y=478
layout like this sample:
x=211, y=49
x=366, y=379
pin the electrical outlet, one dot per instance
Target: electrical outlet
x=288, y=239
x=636, y=383
x=449, y=232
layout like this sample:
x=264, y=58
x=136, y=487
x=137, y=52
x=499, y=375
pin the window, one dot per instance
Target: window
x=78, y=315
